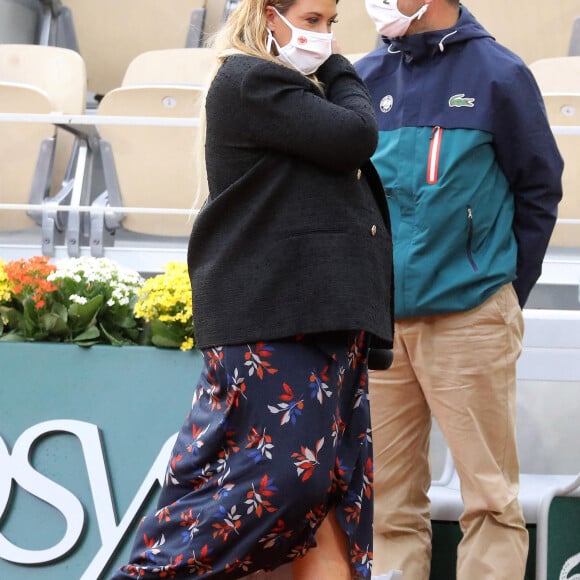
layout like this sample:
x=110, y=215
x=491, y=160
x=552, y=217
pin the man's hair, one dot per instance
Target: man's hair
x=454, y=2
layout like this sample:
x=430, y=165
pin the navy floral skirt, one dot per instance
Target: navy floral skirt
x=278, y=434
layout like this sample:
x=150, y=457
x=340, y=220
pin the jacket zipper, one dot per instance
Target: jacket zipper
x=434, y=153
x=470, y=238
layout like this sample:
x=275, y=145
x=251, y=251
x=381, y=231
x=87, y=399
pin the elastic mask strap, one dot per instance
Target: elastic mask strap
x=271, y=40
x=420, y=12
x=284, y=19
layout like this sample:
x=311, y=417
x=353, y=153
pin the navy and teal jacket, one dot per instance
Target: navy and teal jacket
x=469, y=165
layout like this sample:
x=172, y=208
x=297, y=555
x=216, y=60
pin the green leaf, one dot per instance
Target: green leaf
x=164, y=342
x=90, y=334
x=12, y=315
x=12, y=337
x=165, y=335
x=83, y=315
x=30, y=321
x=55, y=326
x=60, y=310
x=126, y=322
x=117, y=338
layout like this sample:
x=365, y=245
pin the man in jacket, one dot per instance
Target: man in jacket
x=472, y=175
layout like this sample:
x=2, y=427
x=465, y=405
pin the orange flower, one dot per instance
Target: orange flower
x=29, y=279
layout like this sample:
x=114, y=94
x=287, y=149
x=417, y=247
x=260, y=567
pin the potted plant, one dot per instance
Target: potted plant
x=91, y=301
x=76, y=420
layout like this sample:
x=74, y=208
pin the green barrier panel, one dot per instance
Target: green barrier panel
x=446, y=537
x=85, y=436
x=563, y=544
x=564, y=538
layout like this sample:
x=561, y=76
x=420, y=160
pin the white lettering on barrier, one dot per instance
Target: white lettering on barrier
x=114, y=536
x=19, y=470
x=43, y=488
x=567, y=568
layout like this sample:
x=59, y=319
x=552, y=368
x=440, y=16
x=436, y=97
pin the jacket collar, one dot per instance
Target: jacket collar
x=416, y=47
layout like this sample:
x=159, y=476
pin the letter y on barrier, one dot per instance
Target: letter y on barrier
x=114, y=536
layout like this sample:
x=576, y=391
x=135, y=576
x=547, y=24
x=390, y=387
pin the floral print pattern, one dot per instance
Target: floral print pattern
x=278, y=434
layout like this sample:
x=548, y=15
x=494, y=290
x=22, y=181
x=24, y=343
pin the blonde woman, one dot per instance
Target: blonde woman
x=290, y=264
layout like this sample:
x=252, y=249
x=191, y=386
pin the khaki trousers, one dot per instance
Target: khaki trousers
x=460, y=368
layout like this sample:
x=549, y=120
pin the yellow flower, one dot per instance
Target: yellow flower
x=187, y=344
x=164, y=303
x=166, y=297
x=5, y=285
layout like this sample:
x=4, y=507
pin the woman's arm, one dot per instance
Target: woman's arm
x=286, y=112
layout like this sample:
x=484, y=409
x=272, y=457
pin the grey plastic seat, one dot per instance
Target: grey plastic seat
x=574, y=48
x=21, y=21
x=58, y=74
x=44, y=22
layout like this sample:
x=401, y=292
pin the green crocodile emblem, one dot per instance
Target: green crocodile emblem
x=461, y=101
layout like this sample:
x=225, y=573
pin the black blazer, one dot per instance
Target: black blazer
x=295, y=235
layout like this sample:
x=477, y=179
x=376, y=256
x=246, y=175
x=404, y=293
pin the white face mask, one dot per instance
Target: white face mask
x=388, y=19
x=306, y=51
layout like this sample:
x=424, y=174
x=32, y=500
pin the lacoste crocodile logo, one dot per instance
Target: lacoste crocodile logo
x=461, y=101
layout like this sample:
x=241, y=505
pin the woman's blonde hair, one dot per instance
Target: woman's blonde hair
x=244, y=32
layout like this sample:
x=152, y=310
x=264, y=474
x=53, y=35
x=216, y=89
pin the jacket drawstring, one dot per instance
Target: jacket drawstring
x=441, y=42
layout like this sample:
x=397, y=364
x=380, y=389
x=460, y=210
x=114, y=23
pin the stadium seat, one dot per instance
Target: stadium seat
x=46, y=22
x=20, y=21
x=216, y=12
x=170, y=66
x=151, y=166
x=111, y=33
x=147, y=166
x=26, y=153
x=559, y=82
x=62, y=31
x=59, y=74
x=58, y=71
x=574, y=48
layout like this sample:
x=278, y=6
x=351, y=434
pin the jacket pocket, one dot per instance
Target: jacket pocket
x=470, y=238
x=434, y=154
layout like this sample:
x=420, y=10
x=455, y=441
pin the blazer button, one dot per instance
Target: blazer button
x=373, y=230
x=359, y=174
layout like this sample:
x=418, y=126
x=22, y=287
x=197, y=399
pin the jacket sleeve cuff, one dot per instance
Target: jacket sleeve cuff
x=332, y=67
